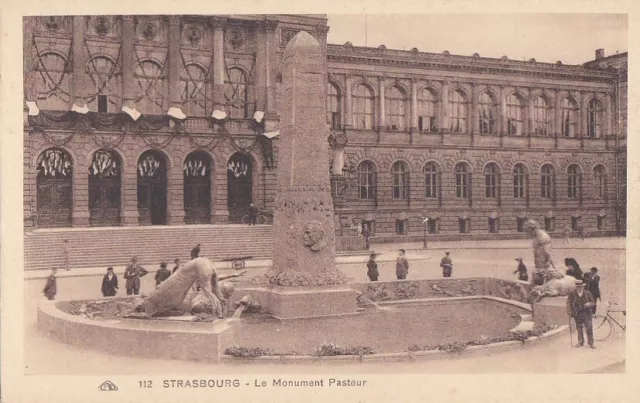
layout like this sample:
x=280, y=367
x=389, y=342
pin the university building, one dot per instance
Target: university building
x=173, y=120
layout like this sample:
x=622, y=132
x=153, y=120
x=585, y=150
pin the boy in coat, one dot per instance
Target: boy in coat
x=132, y=274
x=372, y=268
x=402, y=265
x=109, y=283
x=51, y=288
x=447, y=265
x=162, y=274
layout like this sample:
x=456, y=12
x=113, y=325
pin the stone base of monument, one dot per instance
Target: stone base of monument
x=551, y=310
x=309, y=302
x=167, y=338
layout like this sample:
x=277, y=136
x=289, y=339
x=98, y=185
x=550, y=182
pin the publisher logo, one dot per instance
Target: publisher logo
x=107, y=386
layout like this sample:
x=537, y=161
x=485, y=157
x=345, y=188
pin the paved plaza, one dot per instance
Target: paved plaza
x=471, y=259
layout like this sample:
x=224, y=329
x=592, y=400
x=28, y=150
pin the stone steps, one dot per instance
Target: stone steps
x=115, y=246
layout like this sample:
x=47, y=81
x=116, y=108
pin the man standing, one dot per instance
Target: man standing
x=65, y=245
x=109, y=283
x=402, y=266
x=579, y=306
x=132, y=274
x=593, y=286
x=566, y=232
x=372, y=267
x=195, y=252
x=51, y=288
x=447, y=265
x=521, y=270
x=177, y=265
x=253, y=214
x=162, y=274
x=366, y=233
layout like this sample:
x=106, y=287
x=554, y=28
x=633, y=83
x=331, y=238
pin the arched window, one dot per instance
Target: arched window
x=400, y=172
x=594, y=118
x=52, y=83
x=463, y=180
x=426, y=111
x=102, y=72
x=569, y=112
x=333, y=106
x=491, y=181
x=573, y=181
x=519, y=181
x=599, y=181
x=366, y=172
x=547, y=181
x=54, y=168
x=395, y=100
x=363, y=109
x=457, y=112
x=515, y=115
x=487, y=114
x=193, y=92
x=542, y=117
x=431, y=179
x=236, y=94
x=152, y=84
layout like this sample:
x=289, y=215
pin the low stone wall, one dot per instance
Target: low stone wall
x=349, y=243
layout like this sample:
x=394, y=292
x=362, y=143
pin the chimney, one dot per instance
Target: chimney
x=599, y=54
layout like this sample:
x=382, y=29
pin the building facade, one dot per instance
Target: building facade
x=170, y=120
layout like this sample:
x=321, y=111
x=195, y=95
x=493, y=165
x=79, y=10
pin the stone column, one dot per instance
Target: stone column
x=474, y=123
x=130, y=215
x=608, y=116
x=218, y=62
x=80, y=213
x=581, y=132
x=262, y=66
x=530, y=111
x=270, y=62
x=175, y=191
x=304, y=236
x=557, y=125
x=129, y=85
x=29, y=58
x=503, y=111
x=414, y=105
x=444, y=107
x=79, y=82
x=381, y=112
x=348, y=118
x=219, y=203
x=174, y=61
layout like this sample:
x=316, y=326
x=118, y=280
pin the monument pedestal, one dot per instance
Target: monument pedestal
x=307, y=302
x=551, y=310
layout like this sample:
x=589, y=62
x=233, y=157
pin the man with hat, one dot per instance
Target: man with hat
x=521, y=270
x=372, y=267
x=447, y=265
x=593, y=286
x=580, y=303
x=109, y=283
x=132, y=274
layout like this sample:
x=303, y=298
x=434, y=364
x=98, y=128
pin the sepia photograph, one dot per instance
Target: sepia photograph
x=321, y=198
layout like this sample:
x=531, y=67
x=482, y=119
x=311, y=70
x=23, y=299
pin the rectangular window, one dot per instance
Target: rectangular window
x=427, y=124
x=549, y=224
x=575, y=223
x=520, y=224
x=102, y=104
x=335, y=120
x=600, y=223
x=432, y=226
x=402, y=227
x=493, y=225
x=463, y=224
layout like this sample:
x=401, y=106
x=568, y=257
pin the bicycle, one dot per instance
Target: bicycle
x=603, y=324
x=263, y=218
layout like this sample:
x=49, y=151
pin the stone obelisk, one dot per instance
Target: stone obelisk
x=304, y=280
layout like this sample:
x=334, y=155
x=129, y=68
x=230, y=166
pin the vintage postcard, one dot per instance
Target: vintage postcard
x=288, y=202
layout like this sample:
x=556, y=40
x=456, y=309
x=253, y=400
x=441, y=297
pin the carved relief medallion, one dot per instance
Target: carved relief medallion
x=313, y=236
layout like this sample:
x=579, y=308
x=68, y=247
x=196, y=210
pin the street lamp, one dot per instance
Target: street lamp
x=425, y=221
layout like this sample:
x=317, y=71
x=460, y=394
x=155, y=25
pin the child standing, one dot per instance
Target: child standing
x=51, y=288
x=372, y=268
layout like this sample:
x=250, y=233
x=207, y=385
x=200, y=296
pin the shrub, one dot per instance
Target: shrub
x=330, y=349
x=239, y=351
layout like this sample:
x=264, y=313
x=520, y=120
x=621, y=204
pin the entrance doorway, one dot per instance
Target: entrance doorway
x=197, y=188
x=152, y=188
x=104, y=189
x=239, y=186
x=54, y=188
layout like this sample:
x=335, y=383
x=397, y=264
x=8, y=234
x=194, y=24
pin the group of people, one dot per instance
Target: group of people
x=402, y=266
x=132, y=274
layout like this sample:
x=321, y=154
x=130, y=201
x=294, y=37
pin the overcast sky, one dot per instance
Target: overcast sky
x=571, y=38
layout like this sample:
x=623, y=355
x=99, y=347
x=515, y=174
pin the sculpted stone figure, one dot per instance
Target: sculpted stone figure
x=553, y=288
x=201, y=304
x=314, y=237
x=169, y=296
x=545, y=270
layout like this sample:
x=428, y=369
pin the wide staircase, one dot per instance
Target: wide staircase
x=103, y=247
